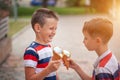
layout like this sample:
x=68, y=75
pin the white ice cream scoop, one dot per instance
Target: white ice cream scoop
x=58, y=50
x=67, y=53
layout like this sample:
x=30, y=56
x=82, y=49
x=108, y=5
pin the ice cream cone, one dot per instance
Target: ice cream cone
x=66, y=55
x=66, y=63
x=56, y=56
x=57, y=53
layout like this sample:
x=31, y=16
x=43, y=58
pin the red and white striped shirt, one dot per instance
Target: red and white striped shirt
x=106, y=67
x=38, y=57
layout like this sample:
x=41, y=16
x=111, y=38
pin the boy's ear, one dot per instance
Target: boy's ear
x=37, y=27
x=98, y=39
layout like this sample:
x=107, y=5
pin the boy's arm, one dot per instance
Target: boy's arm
x=31, y=75
x=80, y=72
x=57, y=77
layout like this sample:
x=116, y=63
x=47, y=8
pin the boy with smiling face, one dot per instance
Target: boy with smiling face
x=37, y=57
x=97, y=33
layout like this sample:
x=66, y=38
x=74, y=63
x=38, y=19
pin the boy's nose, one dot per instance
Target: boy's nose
x=84, y=41
x=54, y=31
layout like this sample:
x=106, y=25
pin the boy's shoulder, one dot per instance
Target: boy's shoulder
x=30, y=52
x=109, y=62
x=32, y=46
x=109, y=59
x=105, y=60
x=36, y=46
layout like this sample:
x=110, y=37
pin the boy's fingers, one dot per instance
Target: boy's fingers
x=56, y=61
x=68, y=59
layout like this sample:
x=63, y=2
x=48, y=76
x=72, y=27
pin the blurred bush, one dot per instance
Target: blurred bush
x=28, y=11
x=102, y=6
x=72, y=3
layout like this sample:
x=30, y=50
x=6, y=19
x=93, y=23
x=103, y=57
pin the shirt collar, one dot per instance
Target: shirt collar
x=101, y=57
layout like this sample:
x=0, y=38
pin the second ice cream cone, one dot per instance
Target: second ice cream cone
x=66, y=62
x=66, y=55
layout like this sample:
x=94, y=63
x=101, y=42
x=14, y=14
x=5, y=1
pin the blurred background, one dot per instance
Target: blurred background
x=16, y=33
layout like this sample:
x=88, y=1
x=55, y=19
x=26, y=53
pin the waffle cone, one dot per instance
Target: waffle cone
x=56, y=56
x=66, y=62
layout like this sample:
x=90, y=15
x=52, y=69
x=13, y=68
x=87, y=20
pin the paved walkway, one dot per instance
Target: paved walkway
x=69, y=36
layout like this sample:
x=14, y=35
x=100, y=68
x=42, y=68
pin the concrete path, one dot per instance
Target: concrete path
x=69, y=36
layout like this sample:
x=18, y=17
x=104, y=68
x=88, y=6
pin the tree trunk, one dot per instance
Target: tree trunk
x=44, y=4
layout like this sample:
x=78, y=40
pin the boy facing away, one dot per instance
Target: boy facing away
x=37, y=57
x=97, y=33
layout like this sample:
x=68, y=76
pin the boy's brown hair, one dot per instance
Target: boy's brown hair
x=40, y=15
x=99, y=27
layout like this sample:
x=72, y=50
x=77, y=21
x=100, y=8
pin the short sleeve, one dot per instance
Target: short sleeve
x=30, y=58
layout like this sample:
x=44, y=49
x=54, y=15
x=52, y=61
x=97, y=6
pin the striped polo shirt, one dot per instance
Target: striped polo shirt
x=106, y=67
x=38, y=57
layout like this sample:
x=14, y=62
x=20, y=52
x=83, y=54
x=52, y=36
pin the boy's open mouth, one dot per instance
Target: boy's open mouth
x=51, y=36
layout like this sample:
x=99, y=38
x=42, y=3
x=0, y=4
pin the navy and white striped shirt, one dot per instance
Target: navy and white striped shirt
x=38, y=57
x=106, y=67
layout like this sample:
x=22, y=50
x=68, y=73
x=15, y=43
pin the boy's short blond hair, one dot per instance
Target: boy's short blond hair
x=99, y=27
x=40, y=15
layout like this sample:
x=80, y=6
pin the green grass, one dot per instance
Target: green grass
x=70, y=10
x=28, y=11
x=15, y=26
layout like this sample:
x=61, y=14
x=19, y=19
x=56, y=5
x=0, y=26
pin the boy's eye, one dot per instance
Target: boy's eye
x=51, y=28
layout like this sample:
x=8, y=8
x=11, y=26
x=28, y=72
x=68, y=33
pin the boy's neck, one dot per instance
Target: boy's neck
x=101, y=50
x=41, y=42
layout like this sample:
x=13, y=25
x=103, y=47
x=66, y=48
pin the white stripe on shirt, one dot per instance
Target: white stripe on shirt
x=30, y=63
x=44, y=53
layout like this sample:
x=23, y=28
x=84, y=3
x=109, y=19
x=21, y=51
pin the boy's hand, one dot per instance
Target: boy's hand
x=72, y=64
x=53, y=65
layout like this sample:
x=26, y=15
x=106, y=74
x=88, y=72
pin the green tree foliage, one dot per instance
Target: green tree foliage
x=102, y=6
x=71, y=3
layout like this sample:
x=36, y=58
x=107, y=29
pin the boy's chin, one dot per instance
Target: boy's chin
x=90, y=50
x=50, y=40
